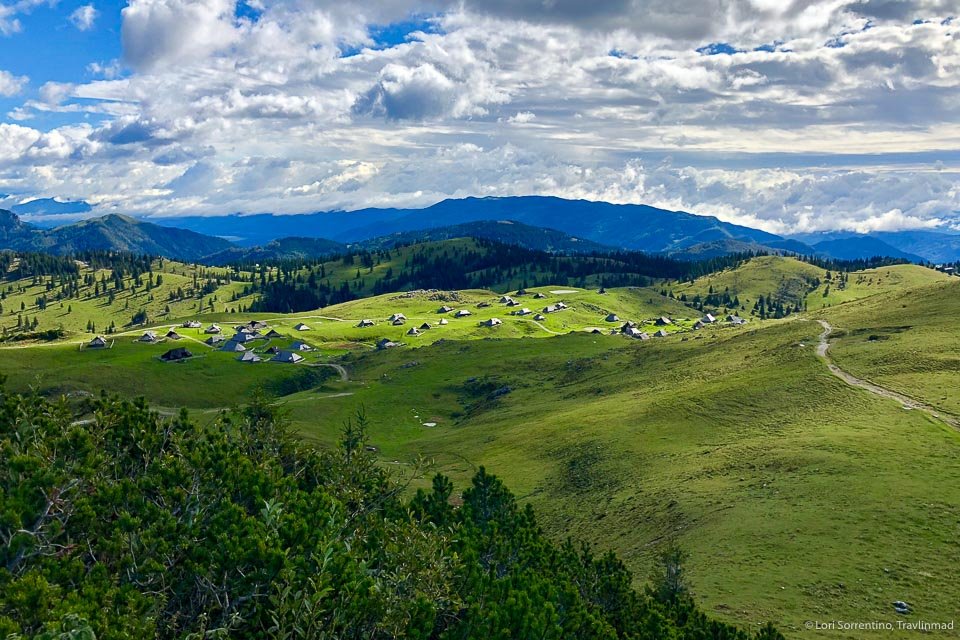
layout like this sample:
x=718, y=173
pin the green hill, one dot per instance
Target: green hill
x=905, y=338
x=110, y=291
x=796, y=494
x=786, y=280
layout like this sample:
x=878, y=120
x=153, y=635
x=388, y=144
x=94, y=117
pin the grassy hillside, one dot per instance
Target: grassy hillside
x=798, y=497
x=794, y=282
x=905, y=340
x=858, y=285
x=215, y=378
x=180, y=294
x=786, y=280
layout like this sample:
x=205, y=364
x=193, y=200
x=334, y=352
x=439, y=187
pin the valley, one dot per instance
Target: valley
x=794, y=492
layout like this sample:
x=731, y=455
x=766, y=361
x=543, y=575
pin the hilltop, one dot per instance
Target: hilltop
x=502, y=231
x=109, y=233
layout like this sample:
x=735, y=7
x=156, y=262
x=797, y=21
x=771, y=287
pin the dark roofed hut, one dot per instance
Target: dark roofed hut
x=176, y=355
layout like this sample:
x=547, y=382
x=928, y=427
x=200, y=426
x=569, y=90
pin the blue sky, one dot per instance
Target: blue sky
x=789, y=115
x=49, y=47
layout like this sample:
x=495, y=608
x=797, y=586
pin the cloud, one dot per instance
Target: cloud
x=822, y=112
x=11, y=85
x=83, y=17
x=10, y=12
x=522, y=117
x=415, y=93
x=167, y=32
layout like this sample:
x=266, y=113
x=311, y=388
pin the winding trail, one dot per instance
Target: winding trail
x=906, y=401
x=551, y=331
x=344, y=376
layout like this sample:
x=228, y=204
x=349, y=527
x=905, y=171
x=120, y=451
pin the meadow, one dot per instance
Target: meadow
x=797, y=496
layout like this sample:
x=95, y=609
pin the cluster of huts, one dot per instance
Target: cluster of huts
x=632, y=330
x=240, y=342
x=253, y=331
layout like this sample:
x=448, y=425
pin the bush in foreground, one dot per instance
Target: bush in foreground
x=128, y=525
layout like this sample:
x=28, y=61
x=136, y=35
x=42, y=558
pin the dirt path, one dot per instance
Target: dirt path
x=906, y=401
x=556, y=333
x=344, y=377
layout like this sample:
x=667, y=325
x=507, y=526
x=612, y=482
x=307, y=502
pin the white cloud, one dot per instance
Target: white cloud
x=11, y=85
x=107, y=70
x=168, y=32
x=522, y=117
x=218, y=113
x=10, y=12
x=83, y=17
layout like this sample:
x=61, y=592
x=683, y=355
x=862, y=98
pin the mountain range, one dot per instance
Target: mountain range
x=535, y=222
x=112, y=233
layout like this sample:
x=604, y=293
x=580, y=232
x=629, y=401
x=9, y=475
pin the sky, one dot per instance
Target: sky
x=787, y=115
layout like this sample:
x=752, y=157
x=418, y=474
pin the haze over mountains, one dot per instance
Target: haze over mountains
x=535, y=222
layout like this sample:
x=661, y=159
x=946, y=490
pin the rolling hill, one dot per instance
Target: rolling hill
x=732, y=442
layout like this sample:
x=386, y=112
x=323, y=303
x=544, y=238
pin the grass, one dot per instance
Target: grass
x=73, y=315
x=797, y=496
x=905, y=340
x=785, y=279
x=872, y=282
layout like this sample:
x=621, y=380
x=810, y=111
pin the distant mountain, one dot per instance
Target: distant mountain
x=932, y=245
x=503, y=231
x=638, y=227
x=13, y=230
x=262, y=228
x=545, y=223
x=51, y=207
x=857, y=247
x=281, y=249
x=111, y=233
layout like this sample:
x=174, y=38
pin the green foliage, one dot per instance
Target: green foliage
x=128, y=525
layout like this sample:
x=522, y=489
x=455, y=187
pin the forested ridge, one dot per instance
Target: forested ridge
x=118, y=523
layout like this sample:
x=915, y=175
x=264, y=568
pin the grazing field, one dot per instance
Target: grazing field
x=784, y=279
x=906, y=340
x=794, y=282
x=175, y=290
x=858, y=285
x=797, y=496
